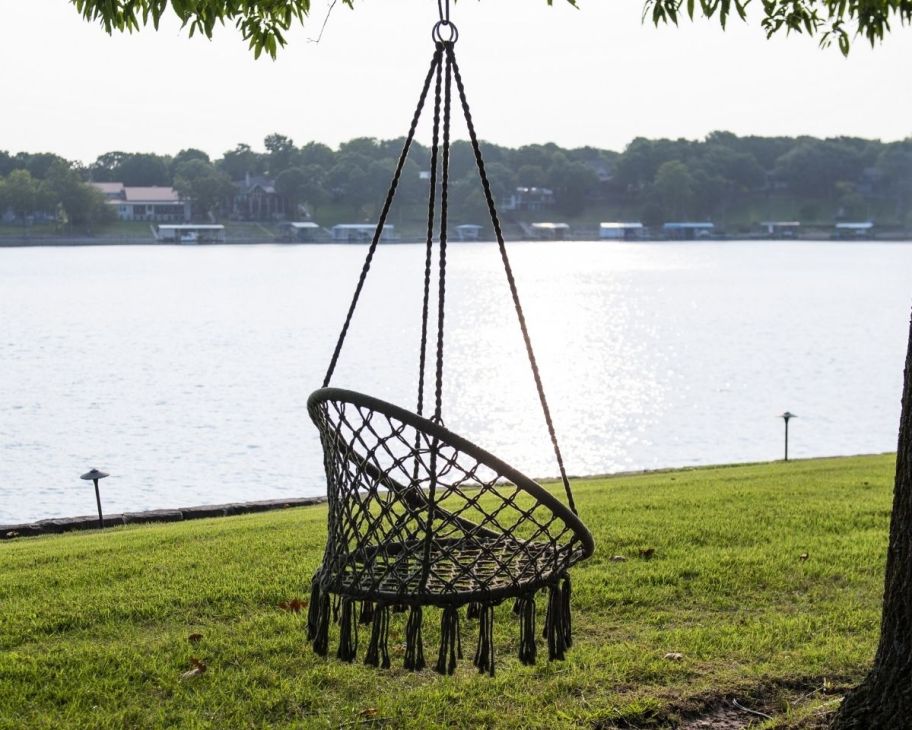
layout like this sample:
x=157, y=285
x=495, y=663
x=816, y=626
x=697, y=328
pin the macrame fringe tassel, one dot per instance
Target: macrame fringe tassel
x=320, y=633
x=378, y=646
x=367, y=613
x=348, y=632
x=414, y=649
x=450, y=642
x=313, y=609
x=527, y=646
x=484, y=654
x=568, y=624
x=558, y=628
x=325, y=607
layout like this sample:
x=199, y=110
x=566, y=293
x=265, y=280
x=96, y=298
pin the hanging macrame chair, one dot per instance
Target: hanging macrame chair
x=420, y=517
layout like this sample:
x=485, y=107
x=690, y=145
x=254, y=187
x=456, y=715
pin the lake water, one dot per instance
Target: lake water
x=184, y=371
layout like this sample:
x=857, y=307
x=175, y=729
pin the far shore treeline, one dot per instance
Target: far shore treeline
x=732, y=181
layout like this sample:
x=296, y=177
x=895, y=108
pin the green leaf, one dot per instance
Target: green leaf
x=844, y=43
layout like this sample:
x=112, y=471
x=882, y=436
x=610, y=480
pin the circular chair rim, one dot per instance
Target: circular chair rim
x=435, y=430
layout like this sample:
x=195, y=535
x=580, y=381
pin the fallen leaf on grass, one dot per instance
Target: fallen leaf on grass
x=197, y=667
x=194, y=638
x=618, y=559
x=647, y=553
x=674, y=656
x=295, y=605
x=369, y=712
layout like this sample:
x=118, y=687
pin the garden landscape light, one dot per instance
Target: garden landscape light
x=94, y=475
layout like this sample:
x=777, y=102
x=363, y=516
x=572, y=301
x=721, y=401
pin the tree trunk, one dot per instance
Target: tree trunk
x=884, y=700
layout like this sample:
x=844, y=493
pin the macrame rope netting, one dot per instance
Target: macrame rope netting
x=492, y=534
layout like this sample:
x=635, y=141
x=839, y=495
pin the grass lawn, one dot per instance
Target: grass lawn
x=766, y=580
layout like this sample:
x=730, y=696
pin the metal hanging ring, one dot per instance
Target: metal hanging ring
x=438, y=32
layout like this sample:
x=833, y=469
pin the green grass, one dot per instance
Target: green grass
x=38, y=229
x=94, y=626
x=129, y=229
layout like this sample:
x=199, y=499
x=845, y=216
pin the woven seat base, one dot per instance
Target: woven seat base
x=461, y=571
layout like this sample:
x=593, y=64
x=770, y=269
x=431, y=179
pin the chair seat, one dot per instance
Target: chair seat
x=419, y=515
x=489, y=568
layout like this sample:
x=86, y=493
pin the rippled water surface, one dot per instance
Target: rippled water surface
x=184, y=371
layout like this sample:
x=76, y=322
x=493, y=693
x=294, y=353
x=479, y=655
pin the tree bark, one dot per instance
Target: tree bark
x=883, y=701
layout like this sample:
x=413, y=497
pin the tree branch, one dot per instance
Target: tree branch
x=263, y=23
x=830, y=21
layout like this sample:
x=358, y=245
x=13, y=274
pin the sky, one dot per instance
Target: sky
x=591, y=76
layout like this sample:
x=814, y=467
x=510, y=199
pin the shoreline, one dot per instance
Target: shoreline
x=511, y=235
x=89, y=242
x=59, y=525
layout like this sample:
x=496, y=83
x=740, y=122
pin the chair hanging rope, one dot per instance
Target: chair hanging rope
x=419, y=516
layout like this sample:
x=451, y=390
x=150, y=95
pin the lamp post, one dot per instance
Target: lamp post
x=94, y=475
x=785, y=417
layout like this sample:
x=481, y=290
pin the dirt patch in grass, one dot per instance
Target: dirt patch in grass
x=721, y=718
x=795, y=705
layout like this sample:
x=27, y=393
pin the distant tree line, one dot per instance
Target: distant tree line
x=51, y=188
x=849, y=176
x=719, y=178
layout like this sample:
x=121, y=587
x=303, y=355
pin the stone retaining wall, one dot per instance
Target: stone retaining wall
x=68, y=524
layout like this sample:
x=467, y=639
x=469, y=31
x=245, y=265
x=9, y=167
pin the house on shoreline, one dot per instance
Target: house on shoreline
x=154, y=204
x=256, y=199
x=529, y=199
